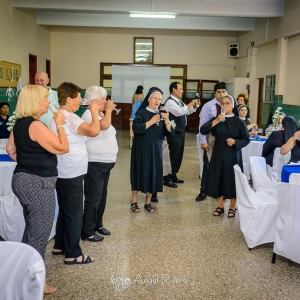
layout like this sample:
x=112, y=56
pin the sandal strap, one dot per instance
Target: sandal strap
x=88, y=259
x=149, y=207
x=134, y=206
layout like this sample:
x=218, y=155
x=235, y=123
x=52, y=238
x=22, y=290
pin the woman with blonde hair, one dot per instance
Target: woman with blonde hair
x=34, y=147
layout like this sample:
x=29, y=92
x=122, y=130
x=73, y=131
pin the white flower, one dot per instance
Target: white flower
x=11, y=122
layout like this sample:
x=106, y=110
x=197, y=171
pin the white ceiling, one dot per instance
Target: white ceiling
x=226, y=15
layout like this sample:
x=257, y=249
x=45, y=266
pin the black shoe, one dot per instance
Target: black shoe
x=154, y=199
x=103, y=231
x=176, y=180
x=201, y=197
x=95, y=238
x=170, y=183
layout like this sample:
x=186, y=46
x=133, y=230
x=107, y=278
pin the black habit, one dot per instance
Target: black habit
x=221, y=181
x=275, y=140
x=146, y=171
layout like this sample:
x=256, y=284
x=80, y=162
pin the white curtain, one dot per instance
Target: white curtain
x=125, y=80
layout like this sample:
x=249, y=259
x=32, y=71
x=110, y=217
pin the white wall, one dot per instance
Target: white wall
x=19, y=36
x=77, y=52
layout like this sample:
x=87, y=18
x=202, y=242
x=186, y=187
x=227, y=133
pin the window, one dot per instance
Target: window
x=270, y=88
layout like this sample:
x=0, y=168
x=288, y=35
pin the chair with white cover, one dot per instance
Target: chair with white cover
x=279, y=161
x=261, y=182
x=257, y=212
x=294, y=178
x=287, y=235
x=22, y=272
x=12, y=221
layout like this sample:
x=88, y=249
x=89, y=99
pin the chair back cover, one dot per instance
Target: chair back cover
x=22, y=272
x=287, y=236
x=279, y=161
x=261, y=182
x=257, y=212
x=12, y=221
x=294, y=178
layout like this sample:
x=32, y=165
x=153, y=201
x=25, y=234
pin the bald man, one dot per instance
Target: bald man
x=42, y=79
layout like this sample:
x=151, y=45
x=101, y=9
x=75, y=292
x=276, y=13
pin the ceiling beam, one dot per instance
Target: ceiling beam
x=228, y=8
x=124, y=21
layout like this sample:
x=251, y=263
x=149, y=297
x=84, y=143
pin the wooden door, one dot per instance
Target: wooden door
x=260, y=101
x=48, y=70
x=32, y=68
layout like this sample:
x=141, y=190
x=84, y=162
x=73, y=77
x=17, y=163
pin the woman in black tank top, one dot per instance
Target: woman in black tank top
x=34, y=147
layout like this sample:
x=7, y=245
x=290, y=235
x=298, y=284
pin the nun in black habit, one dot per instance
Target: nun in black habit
x=231, y=136
x=146, y=168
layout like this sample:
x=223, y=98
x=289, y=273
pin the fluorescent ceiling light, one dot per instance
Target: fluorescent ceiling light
x=151, y=15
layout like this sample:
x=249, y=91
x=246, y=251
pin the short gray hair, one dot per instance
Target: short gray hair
x=230, y=98
x=95, y=92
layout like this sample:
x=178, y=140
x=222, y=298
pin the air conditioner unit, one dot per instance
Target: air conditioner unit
x=233, y=50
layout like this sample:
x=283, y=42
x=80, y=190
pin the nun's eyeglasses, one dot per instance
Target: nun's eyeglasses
x=159, y=99
x=225, y=103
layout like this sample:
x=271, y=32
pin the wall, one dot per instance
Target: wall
x=265, y=36
x=77, y=52
x=19, y=36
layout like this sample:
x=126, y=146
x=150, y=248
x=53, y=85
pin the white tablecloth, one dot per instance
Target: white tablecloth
x=254, y=148
x=12, y=222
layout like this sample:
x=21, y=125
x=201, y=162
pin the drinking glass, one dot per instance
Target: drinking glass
x=259, y=132
x=162, y=109
x=86, y=103
x=223, y=112
x=54, y=108
x=268, y=131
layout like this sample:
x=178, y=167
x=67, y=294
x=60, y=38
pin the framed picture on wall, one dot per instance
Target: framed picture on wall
x=143, y=50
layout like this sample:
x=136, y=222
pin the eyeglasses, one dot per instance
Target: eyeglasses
x=159, y=99
x=226, y=103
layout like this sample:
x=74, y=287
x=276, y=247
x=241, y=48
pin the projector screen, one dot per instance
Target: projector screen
x=125, y=80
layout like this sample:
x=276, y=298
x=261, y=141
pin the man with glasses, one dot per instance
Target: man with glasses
x=209, y=110
x=177, y=115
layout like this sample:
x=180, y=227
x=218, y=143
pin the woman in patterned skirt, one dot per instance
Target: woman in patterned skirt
x=34, y=146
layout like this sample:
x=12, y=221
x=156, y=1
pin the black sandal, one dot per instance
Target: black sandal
x=61, y=252
x=135, y=208
x=149, y=208
x=219, y=211
x=232, y=212
x=82, y=262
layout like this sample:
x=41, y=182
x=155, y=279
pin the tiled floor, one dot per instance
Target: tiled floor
x=179, y=252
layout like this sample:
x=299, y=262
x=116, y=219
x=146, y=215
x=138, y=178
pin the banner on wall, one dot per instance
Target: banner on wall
x=9, y=74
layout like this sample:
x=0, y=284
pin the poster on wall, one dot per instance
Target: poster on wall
x=9, y=74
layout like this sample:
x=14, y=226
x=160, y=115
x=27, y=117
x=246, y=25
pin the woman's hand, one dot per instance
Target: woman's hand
x=110, y=106
x=59, y=118
x=230, y=142
x=155, y=119
x=94, y=107
x=220, y=117
x=296, y=135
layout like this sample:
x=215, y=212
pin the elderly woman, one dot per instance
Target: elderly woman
x=34, y=146
x=293, y=143
x=4, y=111
x=279, y=138
x=72, y=167
x=146, y=172
x=242, y=99
x=102, y=155
x=231, y=136
x=242, y=112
